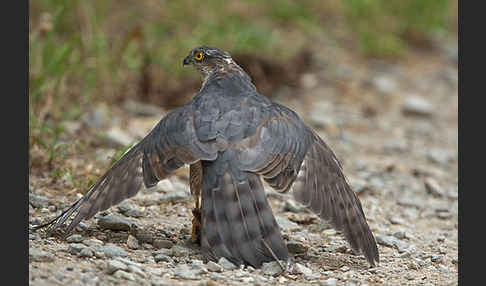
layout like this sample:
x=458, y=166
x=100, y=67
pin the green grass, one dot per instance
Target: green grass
x=384, y=27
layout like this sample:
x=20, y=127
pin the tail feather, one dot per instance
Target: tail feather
x=237, y=221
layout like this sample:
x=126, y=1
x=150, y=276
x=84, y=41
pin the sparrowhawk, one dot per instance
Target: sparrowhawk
x=232, y=137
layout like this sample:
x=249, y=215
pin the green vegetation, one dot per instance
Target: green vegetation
x=384, y=27
x=82, y=52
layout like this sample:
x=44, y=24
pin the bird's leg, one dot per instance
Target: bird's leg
x=195, y=183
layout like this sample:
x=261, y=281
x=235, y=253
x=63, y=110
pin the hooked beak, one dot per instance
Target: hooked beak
x=187, y=60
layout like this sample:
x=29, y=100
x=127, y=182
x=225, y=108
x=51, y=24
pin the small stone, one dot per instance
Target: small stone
x=162, y=243
x=330, y=282
x=180, y=251
x=436, y=258
x=86, y=252
x=124, y=275
x=38, y=202
x=130, y=210
x=433, y=187
x=344, y=269
x=214, y=267
x=400, y=235
x=116, y=137
x=309, y=80
x=418, y=106
x=113, y=265
x=183, y=271
x=75, y=238
x=384, y=83
x=142, y=109
x=227, y=265
x=114, y=251
x=391, y=242
x=301, y=269
x=113, y=222
x=409, y=203
x=136, y=270
x=443, y=214
x=144, y=237
x=162, y=257
x=132, y=242
x=397, y=220
x=92, y=242
x=75, y=248
x=439, y=156
x=286, y=224
x=296, y=247
x=272, y=268
x=291, y=205
x=40, y=255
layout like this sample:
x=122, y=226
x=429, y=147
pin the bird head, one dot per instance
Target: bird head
x=208, y=59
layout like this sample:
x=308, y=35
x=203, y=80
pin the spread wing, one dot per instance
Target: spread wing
x=288, y=154
x=171, y=144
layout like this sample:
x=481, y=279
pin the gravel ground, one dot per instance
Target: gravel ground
x=393, y=126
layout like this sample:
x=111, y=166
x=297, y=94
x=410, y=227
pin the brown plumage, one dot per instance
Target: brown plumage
x=232, y=136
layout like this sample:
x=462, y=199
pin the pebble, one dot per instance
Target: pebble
x=329, y=282
x=291, y=205
x=296, y=247
x=418, y=106
x=180, y=251
x=136, y=270
x=130, y=210
x=75, y=238
x=114, y=222
x=124, y=275
x=38, y=202
x=391, y=242
x=185, y=272
x=144, y=237
x=301, y=269
x=397, y=220
x=227, y=265
x=272, y=268
x=162, y=257
x=132, y=242
x=111, y=251
x=344, y=269
x=86, y=252
x=384, y=83
x=286, y=224
x=433, y=187
x=115, y=137
x=40, y=255
x=162, y=243
x=214, y=267
x=409, y=203
x=75, y=248
x=142, y=109
x=92, y=242
x=439, y=156
x=443, y=214
x=113, y=265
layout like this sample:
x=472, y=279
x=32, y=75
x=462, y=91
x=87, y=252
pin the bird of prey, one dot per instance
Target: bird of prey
x=233, y=137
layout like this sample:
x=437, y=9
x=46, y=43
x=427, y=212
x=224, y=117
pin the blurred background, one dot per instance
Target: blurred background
x=376, y=79
x=95, y=67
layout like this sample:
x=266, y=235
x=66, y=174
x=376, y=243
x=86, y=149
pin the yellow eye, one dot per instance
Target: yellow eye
x=198, y=56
